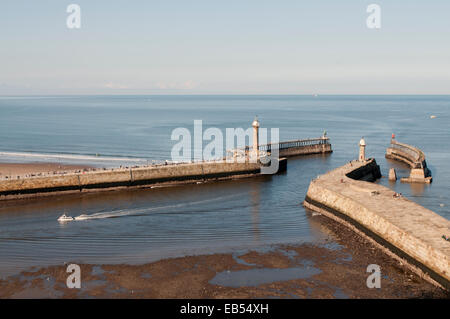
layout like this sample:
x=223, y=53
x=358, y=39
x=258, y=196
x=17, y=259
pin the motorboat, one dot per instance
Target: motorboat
x=65, y=218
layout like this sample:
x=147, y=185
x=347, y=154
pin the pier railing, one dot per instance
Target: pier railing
x=291, y=144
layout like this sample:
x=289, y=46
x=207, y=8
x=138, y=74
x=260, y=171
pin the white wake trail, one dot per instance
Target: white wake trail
x=142, y=211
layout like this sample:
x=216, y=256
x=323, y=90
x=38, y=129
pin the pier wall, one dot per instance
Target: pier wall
x=402, y=228
x=413, y=157
x=126, y=177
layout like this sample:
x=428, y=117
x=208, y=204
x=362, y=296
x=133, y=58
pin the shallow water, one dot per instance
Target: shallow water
x=145, y=225
x=260, y=276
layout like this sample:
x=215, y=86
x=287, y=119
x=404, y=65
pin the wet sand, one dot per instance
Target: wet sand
x=282, y=271
x=20, y=169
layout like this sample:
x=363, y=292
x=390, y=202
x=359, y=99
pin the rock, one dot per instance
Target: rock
x=392, y=175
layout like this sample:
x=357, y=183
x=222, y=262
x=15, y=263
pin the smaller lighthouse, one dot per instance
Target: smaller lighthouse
x=255, y=149
x=362, y=150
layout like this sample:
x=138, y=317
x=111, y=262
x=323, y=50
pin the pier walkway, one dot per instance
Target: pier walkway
x=402, y=228
x=310, y=146
x=115, y=178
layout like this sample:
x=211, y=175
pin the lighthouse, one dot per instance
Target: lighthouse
x=362, y=150
x=255, y=149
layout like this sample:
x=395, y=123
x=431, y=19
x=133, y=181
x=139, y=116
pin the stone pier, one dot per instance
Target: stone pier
x=413, y=157
x=148, y=176
x=143, y=176
x=405, y=230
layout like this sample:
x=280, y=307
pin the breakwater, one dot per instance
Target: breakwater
x=405, y=230
x=147, y=176
x=413, y=157
x=142, y=176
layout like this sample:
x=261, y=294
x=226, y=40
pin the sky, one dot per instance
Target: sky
x=224, y=47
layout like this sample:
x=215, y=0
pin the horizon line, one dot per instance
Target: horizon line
x=230, y=94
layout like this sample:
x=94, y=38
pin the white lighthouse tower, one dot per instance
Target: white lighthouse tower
x=362, y=150
x=255, y=149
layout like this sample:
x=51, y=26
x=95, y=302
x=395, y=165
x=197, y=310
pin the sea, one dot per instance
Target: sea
x=140, y=226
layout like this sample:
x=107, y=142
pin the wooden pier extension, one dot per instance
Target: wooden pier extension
x=310, y=146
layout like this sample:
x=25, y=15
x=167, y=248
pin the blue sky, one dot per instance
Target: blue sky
x=224, y=47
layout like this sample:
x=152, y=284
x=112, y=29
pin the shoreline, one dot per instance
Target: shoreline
x=282, y=271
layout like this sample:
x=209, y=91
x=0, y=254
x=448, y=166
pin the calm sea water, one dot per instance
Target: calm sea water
x=146, y=225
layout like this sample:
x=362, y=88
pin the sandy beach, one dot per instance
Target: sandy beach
x=281, y=271
x=21, y=169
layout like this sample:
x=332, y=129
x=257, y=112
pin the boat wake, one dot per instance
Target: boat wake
x=104, y=215
x=144, y=211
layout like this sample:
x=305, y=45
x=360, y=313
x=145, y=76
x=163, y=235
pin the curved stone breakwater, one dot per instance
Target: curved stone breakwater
x=413, y=157
x=404, y=229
